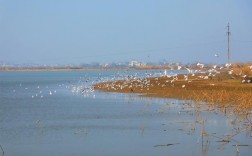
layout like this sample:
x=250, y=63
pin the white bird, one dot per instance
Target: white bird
x=201, y=65
x=230, y=72
x=228, y=65
x=186, y=77
x=189, y=70
x=165, y=72
x=50, y=92
x=216, y=55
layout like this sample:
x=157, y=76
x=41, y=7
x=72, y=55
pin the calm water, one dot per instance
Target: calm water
x=40, y=115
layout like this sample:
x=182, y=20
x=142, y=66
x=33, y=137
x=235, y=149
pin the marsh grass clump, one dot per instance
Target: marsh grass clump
x=240, y=69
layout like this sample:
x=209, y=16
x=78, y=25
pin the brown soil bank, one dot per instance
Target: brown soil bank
x=221, y=90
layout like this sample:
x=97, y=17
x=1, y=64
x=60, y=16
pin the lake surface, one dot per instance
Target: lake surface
x=44, y=114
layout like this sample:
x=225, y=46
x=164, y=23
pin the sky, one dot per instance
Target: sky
x=104, y=31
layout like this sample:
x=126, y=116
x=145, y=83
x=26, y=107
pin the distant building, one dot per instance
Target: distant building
x=104, y=65
x=135, y=63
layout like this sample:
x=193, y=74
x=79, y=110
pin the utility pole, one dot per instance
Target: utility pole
x=228, y=33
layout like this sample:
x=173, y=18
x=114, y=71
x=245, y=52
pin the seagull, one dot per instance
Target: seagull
x=230, y=72
x=228, y=65
x=216, y=55
x=189, y=70
x=165, y=72
x=186, y=77
x=201, y=65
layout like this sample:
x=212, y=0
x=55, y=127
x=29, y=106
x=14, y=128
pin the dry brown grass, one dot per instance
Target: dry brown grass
x=221, y=90
x=240, y=70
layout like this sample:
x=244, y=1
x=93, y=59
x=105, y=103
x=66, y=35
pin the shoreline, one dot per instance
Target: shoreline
x=56, y=69
x=31, y=69
x=221, y=90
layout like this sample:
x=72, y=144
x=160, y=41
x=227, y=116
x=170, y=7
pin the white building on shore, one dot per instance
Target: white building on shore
x=135, y=63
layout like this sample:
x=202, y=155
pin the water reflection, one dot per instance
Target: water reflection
x=205, y=121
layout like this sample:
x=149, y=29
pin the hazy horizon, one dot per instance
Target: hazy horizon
x=79, y=32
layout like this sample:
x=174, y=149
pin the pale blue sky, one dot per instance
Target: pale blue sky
x=82, y=31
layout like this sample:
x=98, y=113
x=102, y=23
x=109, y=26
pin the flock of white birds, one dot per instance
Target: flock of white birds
x=40, y=91
x=143, y=81
x=85, y=86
